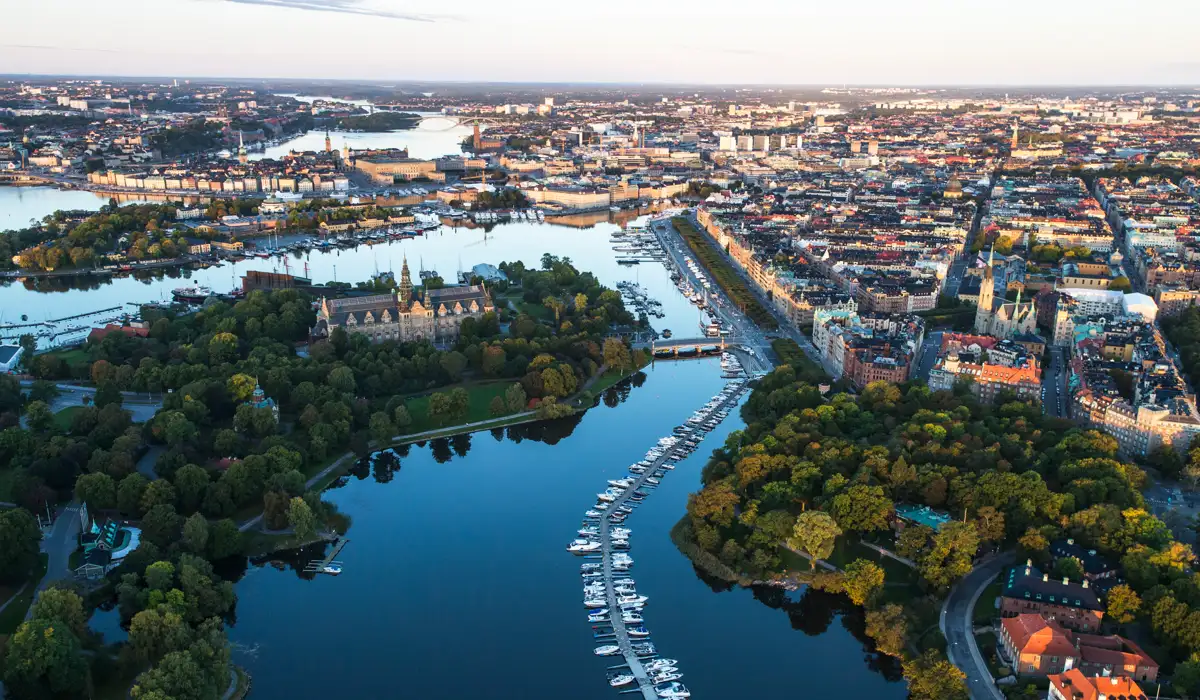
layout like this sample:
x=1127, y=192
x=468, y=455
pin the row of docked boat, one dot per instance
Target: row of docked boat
x=615, y=607
x=731, y=366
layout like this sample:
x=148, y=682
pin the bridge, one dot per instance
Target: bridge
x=453, y=120
x=687, y=347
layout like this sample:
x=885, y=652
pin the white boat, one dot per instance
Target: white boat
x=593, y=514
x=659, y=664
x=666, y=676
x=590, y=567
x=595, y=603
x=607, y=650
x=632, y=619
x=600, y=615
x=632, y=599
x=620, y=679
x=672, y=690
x=583, y=547
x=332, y=569
x=638, y=632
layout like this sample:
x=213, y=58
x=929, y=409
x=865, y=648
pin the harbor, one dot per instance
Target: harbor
x=615, y=607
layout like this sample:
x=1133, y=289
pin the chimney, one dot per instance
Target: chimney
x=1045, y=577
x=1085, y=583
x=1070, y=541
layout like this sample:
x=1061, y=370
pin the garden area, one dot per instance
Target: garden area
x=724, y=274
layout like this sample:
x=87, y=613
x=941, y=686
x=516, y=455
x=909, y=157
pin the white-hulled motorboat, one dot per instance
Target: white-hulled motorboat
x=607, y=650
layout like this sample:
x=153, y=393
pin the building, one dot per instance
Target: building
x=434, y=315
x=1096, y=567
x=987, y=379
x=1037, y=647
x=387, y=168
x=1072, y=605
x=1075, y=685
x=259, y=399
x=1002, y=319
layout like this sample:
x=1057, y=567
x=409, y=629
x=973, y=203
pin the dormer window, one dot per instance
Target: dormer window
x=370, y=318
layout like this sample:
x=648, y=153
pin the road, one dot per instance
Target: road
x=927, y=355
x=142, y=406
x=957, y=625
x=58, y=544
x=1054, y=384
x=726, y=312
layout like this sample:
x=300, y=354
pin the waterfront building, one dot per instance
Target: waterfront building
x=1072, y=605
x=404, y=315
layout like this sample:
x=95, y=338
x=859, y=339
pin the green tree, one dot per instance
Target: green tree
x=514, y=398
x=61, y=606
x=440, y=407
x=1121, y=284
x=178, y=676
x=191, y=482
x=301, y=519
x=97, y=490
x=931, y=677
x=224, y=540
x=402, y=418
x=195, y=534
x=862, y=508
x=497, y=407
x=20, y=541
x=130, y=492
x=39, y=417
x=241, y=387
x=44, y=659
x=814, y=533
x=950, y=554
x=158, y=493
x=161, y=525
x=341, y=379
x=616, y=355
x=381, y=427
x=863, y=579
x=581, y=302
x=454, y=363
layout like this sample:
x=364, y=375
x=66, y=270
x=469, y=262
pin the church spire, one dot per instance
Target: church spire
x=405, y=284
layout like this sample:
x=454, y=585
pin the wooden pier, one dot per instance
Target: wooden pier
x=318, y=567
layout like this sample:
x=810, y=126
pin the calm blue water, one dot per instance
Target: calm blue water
x=458, y=585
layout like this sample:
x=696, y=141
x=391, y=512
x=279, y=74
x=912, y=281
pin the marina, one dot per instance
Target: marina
x=610, y=596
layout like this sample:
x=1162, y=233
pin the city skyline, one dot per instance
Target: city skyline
x=761, y=43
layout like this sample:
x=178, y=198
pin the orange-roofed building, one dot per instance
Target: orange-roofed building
x=1037, y=646
x=99, y=334
x=1074, y=685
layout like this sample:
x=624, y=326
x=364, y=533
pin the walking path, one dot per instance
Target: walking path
x=645, y=684
x=889, y=553
x=957, y=625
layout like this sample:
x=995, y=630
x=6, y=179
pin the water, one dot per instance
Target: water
x=457, y=583
x=447, y=250
x=431, y=139
x=21, y=206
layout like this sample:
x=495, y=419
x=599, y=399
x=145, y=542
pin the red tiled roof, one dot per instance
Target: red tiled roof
x=101, y=333
x=1076, y=686
x=1033, y=634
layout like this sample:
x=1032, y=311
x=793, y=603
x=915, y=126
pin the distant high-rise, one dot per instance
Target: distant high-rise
x=1015, y=142
x=477, y=140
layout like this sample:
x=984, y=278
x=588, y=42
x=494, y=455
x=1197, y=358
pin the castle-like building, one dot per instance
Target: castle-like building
x=1004, y=319
x=436, y=315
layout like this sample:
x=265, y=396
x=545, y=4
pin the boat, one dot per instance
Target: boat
x=672, y=690
x=632, y=599
x=332, y=569
x=617, y=680
x=192, y=295
x=583, y=546
x=666, y=676
x=590, y=567
x=638, y=631
x=595, y=603
x=600, y=615
x=659, y=664
x=607, y=650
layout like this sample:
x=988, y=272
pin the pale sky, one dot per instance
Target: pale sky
x=1011, y=42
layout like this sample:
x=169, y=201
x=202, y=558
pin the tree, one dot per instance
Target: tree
x=44, y=659
x=224, y=539
x=889, y=628
x=402, y=418
x=158, y=493
x=950, y=554
x=460, y=403
x=20, y=540
x=195, y=534
x=932, y=677
x=912, y=540
x=990, y=524
x=1123, y=604
x=341, y=379
x=161, y=525
x=581, y=302
x=39, y=417
x=301, y=519
x=177, y=676
x=862, y=508
x=1068, y=567
x=514, y=397
x=814, y=533
x=439, y=407
x=241, y=387
x=454, y=363
x=97, y=490
x=497, y=407
x=863, y=579
x=1121, y=284
x=616, y=355
x=381, y=427
x=129, y=494
x=191, y=482
x=60, y=605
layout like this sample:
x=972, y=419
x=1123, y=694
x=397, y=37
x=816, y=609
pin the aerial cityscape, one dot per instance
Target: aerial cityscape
x=724, y=369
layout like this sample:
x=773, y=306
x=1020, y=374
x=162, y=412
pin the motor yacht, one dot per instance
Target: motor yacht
x=621, y=483
x=607, y=650
x=590, y=530
x=631, y=618
x=593, y=514
x=583, y=546
x=590, y=567
x=600, y=615
x=595, y=603
x=633, y=599
x=617, y=680
x=623, y=582
x=659, y=665
x=674, y=690
x=637, y=631
x=643, y=648
x=666, y=676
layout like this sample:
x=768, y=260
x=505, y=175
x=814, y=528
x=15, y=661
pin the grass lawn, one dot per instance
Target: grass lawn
x=985, y=607
x=541, y=313
x=64, y=417
x=263, y=543
x=481, y=396
x=13, y=615
x=72, y=357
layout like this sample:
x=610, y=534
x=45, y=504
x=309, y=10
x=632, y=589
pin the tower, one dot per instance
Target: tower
x=242, y=155
x=987, y=291
x=1015, y=137
x=328, y=142
x=345, y=153
x=406, y=286
x=477, y=140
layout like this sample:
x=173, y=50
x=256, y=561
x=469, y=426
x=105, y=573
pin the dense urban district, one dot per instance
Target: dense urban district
x=982, y=309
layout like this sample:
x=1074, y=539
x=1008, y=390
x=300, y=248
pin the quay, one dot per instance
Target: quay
x=621, y=635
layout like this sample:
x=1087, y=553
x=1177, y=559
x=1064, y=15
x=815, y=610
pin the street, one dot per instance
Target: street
x=141, y=406
x=1054, y=380
x=927, y=355
x=957, y=625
